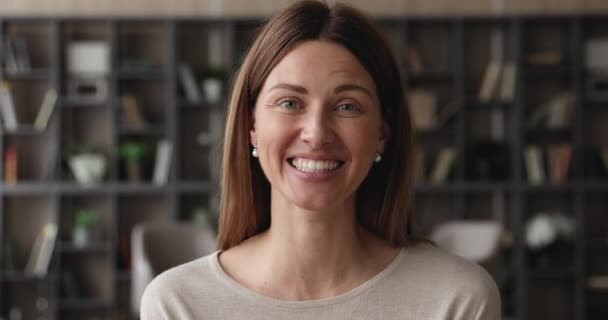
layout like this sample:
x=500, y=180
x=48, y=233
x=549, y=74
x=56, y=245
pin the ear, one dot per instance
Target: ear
x=384, y=136
x=253, y=137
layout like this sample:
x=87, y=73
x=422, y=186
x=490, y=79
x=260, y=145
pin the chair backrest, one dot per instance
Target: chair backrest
x=474, y=240
x=159, y=246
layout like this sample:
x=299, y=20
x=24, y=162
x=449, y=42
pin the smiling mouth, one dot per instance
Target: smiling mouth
x=307, y=165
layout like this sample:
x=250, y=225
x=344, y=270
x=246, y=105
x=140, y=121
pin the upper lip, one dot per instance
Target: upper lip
x=313, y=156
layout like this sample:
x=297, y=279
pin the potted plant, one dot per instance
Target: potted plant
x=133, y=154
x=213, y=84
x=85, y=221
x=88, y=166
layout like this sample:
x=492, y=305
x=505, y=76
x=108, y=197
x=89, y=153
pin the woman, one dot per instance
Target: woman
x=316, y=191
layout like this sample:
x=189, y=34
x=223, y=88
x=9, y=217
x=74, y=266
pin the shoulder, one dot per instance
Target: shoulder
x=168, y=295
x=456, y=284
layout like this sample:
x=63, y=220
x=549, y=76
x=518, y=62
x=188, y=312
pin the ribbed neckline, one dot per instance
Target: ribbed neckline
x=257, y=297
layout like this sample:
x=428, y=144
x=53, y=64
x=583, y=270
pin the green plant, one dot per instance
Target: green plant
x=133, y=151
x=85, y=218
x=215, y=72
x=83, y=148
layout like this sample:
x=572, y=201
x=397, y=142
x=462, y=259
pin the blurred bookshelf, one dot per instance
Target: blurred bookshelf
x=509, y=119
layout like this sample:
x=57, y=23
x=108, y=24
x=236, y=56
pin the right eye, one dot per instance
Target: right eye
x=289, y=104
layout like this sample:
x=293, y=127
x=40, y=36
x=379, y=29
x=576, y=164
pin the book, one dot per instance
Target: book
x=22, y=54
x=446, y=113
x=560, y=110
x=596, y=50
x=443, y=165
x=11, y=165
x=414, y=60
x=132, y=112
x=10, y=56
x=509, y=78
x=559, y=162
x=7, y=107
x=545, y=57
x=598, y=282
x=46, y=110
x=70, y=285
x=534, y=162
x=555, y=113
x=604, y=156
x=191, y=89
x=419, y=165
x=490, y=81
x=163, y=162
x=41, y=253
x=423, y=108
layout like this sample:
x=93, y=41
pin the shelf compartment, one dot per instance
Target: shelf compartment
x=198, y=208
x=87, y=130
x=33, y=300
x=86, y=278
x=37, y=39
x=132, y=210
x=142, y=47
x=92, y=212
x=544, y=292
x=433, y=43
x=200, y=132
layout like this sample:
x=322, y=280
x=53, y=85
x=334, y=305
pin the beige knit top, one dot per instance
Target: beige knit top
x=422, y=282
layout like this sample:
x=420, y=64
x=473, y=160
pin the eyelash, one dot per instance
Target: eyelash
x=354, y=107
x=282, y=102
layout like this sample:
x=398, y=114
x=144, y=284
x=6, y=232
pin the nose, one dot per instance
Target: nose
x=317, y=129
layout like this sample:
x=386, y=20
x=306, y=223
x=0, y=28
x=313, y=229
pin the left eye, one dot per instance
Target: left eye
x=289, y=104
x=348, y=108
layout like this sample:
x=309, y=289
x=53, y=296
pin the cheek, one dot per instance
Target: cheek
x=274, y=135
x=362, y=139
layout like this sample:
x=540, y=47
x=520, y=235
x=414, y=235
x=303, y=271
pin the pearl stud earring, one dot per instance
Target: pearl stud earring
x=378, y=158
x=254, y=152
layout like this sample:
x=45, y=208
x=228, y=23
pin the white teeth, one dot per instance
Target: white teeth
x=307, y=165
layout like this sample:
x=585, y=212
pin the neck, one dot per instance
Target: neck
x=314, y=253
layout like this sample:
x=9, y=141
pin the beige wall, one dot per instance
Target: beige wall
x=265, y=7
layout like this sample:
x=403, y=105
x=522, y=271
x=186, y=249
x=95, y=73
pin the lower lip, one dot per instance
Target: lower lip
x=315, y=176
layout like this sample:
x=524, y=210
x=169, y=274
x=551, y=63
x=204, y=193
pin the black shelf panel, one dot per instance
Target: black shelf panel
x=195, y=186
x=146, y=131
x=199, y=105
x=475, y=104
x=67, y=247
x=35, y=74
x=555, y=188
x=66, y=102
x=430, y=76
x=144, y=76
x=464, y=187
x=85, y=303
x=548, y=72
x=24, y=130
x=76, y=189
x=123, y=276
x=564, y=273
x=13, y=276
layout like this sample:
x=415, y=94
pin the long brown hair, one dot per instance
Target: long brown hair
x=384, y=198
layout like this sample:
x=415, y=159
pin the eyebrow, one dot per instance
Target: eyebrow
x=338, y=89
x=288, y=86
x=352, y=86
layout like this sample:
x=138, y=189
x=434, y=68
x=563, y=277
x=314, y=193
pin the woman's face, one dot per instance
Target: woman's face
x=317, y=126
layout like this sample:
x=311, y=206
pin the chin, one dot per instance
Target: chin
x=319, y=203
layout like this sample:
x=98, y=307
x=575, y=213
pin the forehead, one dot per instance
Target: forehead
x=318, y=61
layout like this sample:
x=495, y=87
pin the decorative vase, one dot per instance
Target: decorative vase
x=88, y=168
x=212, y=89
x=81, y=237
x=134, y=171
